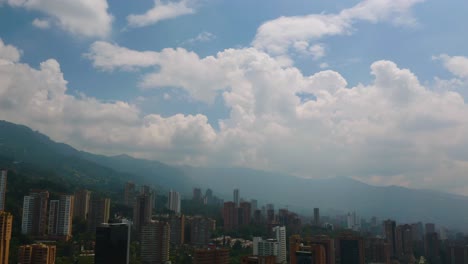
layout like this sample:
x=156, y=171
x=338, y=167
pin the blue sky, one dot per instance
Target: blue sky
x=371, y=89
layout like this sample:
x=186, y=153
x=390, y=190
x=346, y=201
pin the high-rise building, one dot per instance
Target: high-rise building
x=457, y=254
x=430, y=228
x=244, y=217
x=211, y=256
x=316, y=217
x=326, y=248
x=112, y=244
x=155, y=237
x=432, y=247
x=390, y=235
x=81, y=206
x=99, y=212
x=377, y=250
x=350, y=250
x=37, y=254
x=129, y=193
x=264, y=248
x=177, y=227
x=280, y=235
x=53, y=217
x=253, y=206
x=173, y=202
x=201, y=229
x=404, y=240
x=3, y=188
x=6, y=222
x=230, y=216
x=34, y=221
x=60, y=217
x=197, y=194
x=236, y=197
x=142, y=211
x=259, y=260
x=208, y=197
x=146, y=190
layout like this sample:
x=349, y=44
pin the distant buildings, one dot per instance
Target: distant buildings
x=197, y=195
x=129, y=194
x=390, y=238
x=201, y=229
x=177, y=226
x=112, y=244
x=37, y=254
x=60, y=217
x=155, y=237
x=3, y=188
x=81, y=207
x=316, y=217
x=258, y=260
x=280, y=235
x=173, y=202
x=236, y=197
x=264, y=248
x=322, y=249
x=230, y=216
x=211, y=256
x=34, y=221
x=350, y=249
x=99, y=212
x=6, y=222
x=142, y=211
x=244, y=211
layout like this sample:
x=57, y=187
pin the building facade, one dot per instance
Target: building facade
x=34, y=220
x=173, y=202
x=112, y=244
x=155, y=238
x=6, y=222
x=99, y=212
x=81, y=204
x=3, y=188
x=37, y=254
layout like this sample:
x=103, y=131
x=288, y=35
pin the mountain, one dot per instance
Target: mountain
x=342, y=194
x=60, y=162
x=22, y=145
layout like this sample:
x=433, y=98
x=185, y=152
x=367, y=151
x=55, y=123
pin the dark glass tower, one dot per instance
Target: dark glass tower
x=112, y=244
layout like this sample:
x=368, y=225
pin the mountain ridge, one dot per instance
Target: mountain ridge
x=334, y=194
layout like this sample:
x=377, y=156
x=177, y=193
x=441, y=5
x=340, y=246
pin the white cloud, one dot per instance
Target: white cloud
x=279, y=35
x=324, y=65
x=8, y=53
x=87, y=18
x=457, y=65
x=40, y=23
x=107, y=56
x=394, y=126
x=160, y=11
x=38, y=98
x=202, y=37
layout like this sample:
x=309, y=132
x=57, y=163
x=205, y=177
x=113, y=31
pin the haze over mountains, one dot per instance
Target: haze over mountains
x=23, y=145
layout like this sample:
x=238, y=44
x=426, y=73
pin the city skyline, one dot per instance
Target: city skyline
x=370, y=89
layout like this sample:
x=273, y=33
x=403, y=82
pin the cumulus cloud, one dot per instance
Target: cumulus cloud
x=202, y=37
x=279, y=35
x=457, y=65
x=160, y=11
x=38, y=98
x=88, y=18
x=8, y=53
x=40, y=23
x=393, y=127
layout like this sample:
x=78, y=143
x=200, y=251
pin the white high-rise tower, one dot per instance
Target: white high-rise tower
x=173, y=202
x=280, y=235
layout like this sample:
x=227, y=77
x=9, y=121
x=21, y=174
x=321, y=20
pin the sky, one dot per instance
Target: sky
x=372, y=89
